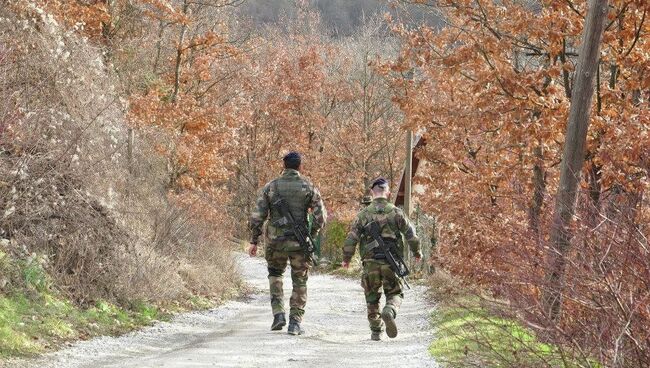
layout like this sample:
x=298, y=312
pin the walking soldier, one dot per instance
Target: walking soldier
x=390, y=226
x=286, y=201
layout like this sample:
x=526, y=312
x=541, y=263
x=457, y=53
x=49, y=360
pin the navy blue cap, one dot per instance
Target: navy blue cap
x=292, y=156
x=379, y=182
x=292, y=160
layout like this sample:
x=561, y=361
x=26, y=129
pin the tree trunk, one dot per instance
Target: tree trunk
x=539, y=187
x=161, y=31
x=573, y=157
x=179, y=56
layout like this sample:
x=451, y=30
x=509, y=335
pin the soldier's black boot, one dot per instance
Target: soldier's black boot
x=375, y=335
x=294, y=327
x=388, y=315
x=278, y=322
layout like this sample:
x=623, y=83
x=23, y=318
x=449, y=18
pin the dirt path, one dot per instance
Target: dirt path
x=237, y=334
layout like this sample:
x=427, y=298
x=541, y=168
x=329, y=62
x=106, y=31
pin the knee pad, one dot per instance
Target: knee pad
x=275, y=272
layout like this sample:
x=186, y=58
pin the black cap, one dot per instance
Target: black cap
x=292, y=160
x=379, y=182
x=293, y=155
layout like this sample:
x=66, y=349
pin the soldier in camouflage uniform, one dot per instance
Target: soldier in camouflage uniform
x=281, y=245
x=377, y=274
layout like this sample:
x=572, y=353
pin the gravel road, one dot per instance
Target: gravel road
x=237, y=334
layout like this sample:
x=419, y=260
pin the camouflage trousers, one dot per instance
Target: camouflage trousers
x=276, y=259
x=377, y=277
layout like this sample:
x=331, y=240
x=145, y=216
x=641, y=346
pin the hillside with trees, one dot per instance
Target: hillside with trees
x=135, y=135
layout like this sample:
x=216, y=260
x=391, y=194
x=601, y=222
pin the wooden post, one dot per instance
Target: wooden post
x=408, y=170
x=573, y=156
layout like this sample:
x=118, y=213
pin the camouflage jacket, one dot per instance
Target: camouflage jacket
x=394, y=226
x=301, y=196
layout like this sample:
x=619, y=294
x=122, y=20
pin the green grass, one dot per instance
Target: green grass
x=35, y=318
x=199, y=302
x=32, y=324
x=471, y=332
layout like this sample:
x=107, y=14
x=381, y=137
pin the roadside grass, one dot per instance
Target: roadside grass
x=33, y=322
x=473, y=331
x=35, y=317
x=469, y=334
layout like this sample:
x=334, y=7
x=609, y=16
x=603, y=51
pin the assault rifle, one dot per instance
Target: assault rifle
x=300, y=232
x=395, y=262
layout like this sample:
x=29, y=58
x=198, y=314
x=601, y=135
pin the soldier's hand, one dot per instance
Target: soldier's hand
x=252, y=250
x=345, y=265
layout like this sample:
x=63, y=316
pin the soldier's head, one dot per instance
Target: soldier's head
x=379, y=188
x=292, y=160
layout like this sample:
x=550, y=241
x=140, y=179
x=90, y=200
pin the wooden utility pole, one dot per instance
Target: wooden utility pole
x=408, y=171
x=573, y=156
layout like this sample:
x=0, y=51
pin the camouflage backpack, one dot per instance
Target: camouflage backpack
x=386, y=217
x=297, y=192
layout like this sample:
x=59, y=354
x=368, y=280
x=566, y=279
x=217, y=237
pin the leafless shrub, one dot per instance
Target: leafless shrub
x=606, y=292
x=68, y=188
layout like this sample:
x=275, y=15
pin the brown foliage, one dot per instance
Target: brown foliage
x=255, y=98
x=70, y=191
x=491, y=93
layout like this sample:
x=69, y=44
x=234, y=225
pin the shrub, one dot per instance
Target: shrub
x=77, y=191
x=332, y=241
